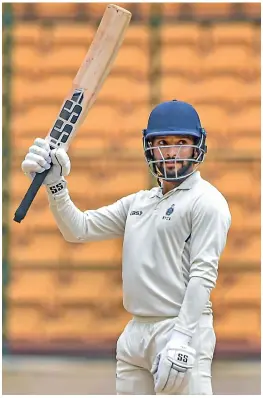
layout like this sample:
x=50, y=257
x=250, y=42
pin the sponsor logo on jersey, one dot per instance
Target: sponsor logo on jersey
x=168, y=213
x=136, y=213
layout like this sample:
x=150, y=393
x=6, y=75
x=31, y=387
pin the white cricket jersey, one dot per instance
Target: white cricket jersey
x=168, y=239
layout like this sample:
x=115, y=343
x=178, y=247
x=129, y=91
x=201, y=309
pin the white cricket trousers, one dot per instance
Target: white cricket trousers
x=143, y=338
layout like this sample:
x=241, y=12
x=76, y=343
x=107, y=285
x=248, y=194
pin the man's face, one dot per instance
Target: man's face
x=169, y=148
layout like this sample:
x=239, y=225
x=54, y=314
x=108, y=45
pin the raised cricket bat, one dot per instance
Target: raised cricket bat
x=86, y=86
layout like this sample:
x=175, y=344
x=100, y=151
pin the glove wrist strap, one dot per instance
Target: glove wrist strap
x=180, y=338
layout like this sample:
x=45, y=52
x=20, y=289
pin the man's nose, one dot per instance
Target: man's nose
x=172, y=152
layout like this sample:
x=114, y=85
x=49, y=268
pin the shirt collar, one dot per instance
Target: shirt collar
x=185, y=185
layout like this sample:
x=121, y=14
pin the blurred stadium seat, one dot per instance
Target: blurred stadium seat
x=45, y=10
x=212, y=9
x=184, y=33
x=38, y=247
x=252, y=9
x=171, y=9
x=231, y=59
x=237, y=324
x=229, y=33
x=242, y=248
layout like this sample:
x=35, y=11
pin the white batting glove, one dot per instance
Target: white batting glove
x=39, y=158
x=172, y=365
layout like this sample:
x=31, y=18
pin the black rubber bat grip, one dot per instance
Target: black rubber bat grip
x=29, y=196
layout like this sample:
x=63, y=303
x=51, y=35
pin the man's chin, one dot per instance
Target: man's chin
x=170, y=172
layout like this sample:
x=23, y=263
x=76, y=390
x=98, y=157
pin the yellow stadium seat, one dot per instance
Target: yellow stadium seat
x=119, y=182
x=242, y=247
x=29, y=32
x=88, y=144
x=38, y=60
x=113, y=122
x=19, y=183
x=171, y=9
x=133, y=145
x=33, y=247
x=247, y=144
x=183, y=33
x=238, y=324
x=32, y=286
x=88, y=323
x=39, y=217
x=181, y=58
x=218, y=89
x=69, y=10
x=222, y=89
x=35, y=121
x=71, y=33
x=137, y=34
x=107, y=252
x=210, y=114
x=89, y=286
x=117, y=88
x=25, y=323
x=44, y=88
x=242, y=288
x=245, y=215
x=20, y=10
x=132, y=59
x=230, y=177
x=245, y=289
x=252, y=9
x=58, y=34
x=231, y=58
x=247, y=120
x=143, y=9
x=229, y=33
x=212, y=9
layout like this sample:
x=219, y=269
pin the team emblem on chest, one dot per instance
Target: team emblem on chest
x=168, y=213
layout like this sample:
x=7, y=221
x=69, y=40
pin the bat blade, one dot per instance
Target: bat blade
x=90, y=76
x=85, y=88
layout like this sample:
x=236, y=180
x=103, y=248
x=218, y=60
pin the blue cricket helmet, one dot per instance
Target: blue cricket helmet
x=174, y=118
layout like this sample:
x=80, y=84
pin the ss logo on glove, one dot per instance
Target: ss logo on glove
x=56, y=188
x=182, y=357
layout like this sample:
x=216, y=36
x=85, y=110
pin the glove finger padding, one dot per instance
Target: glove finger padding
x=175, y=382
x=163, y=374
x=155, y=364
x=60, y=158
x=41, y=152
x=41, y=143
x=38, y=160
x=30, y=166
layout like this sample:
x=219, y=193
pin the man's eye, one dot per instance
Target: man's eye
x=182, y=142
x=162, y=142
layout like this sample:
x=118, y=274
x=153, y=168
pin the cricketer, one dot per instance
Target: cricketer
x=173, y=237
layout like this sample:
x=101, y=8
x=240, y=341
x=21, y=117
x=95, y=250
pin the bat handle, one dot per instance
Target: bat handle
x=29, y=196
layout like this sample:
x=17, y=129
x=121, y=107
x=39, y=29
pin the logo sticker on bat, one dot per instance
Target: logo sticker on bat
x=68, y=117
